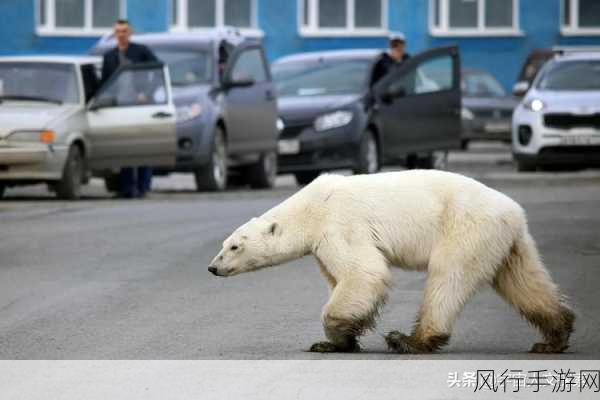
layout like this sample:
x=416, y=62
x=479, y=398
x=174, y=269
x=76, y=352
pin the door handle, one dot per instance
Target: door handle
x=161, y=115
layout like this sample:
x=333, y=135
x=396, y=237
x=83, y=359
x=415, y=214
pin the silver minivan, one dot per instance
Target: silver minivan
x=59, y=126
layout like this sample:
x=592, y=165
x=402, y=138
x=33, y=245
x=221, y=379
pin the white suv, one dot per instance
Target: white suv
x=557, y=124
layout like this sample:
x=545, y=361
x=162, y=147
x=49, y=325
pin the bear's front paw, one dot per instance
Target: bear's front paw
x=400, y=343
x=328, y=347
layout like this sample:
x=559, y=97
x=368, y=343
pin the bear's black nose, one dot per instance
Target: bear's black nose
x=212, y=270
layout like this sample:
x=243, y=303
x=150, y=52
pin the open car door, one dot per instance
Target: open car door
x=419, y=104
x=131, y=120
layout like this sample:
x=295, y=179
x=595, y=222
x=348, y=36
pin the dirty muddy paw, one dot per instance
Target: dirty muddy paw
x=547, y=348
x=400, y=343
x=328, y=347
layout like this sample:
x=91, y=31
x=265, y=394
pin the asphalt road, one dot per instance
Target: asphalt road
x=107, y=279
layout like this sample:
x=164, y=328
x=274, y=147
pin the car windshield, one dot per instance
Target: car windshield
x=187, y=67
x=47, y=82
x=481, y=84
x=321, y=77
x=571, y=75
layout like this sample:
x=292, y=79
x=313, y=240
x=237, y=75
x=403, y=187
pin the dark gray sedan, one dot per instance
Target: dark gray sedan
x=486, y=108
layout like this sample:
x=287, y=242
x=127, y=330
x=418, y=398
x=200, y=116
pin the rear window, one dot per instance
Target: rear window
x=187, y=67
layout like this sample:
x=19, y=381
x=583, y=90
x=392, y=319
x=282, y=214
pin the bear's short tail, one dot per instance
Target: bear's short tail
x=525, y=283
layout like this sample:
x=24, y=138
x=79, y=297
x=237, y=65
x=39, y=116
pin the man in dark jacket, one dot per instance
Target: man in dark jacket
x=133, y=182
x=390, y=60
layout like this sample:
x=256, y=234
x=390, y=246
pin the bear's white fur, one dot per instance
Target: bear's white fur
x=462, y=233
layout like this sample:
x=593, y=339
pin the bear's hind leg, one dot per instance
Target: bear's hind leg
x=524, y=282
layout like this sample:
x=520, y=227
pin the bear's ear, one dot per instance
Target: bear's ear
x=274, y=229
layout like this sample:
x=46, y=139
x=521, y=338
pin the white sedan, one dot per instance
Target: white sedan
x=557, y=124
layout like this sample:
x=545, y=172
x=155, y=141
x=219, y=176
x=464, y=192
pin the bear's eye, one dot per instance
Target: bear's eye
x=233, y=248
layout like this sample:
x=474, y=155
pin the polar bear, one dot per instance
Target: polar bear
x=462, y=233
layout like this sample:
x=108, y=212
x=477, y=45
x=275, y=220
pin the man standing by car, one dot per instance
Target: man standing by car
x=133, y=182
x=391, y=59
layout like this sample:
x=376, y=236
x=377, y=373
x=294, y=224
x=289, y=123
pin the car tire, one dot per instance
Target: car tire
x=213, y=177
x=464, y=144
x=111, y=183
x=262, y=175
x=368, y=157
x=306, y=177
x=69, y=186
x=434, y=160
x=526, y=166
x=2, y=190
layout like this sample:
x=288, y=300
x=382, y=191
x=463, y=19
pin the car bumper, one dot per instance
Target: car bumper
x=320, y=151
x=31, y=162
x=551, y=146
x=487, y=129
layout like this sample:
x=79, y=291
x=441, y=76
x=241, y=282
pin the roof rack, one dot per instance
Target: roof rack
x=562, y=50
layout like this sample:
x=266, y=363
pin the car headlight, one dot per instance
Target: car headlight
x=466, y=114
x=45, y=136
x=333, y=120
x=535, y=105
x=280, y=125
x=188, y=112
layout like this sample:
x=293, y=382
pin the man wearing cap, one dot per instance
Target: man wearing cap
x=391, y=59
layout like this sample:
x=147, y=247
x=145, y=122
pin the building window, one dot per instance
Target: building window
x=343, y=17
x=580, y=17
x=78, y=17
x=474, y=17
x=209, y=14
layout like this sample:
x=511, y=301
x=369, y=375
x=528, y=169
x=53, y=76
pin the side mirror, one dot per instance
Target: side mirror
x=520, y=88
x=239, y=83
x=102, y=102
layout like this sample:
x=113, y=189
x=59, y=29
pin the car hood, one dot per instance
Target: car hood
x=30, y=116
x=494, y=103
x=581, y=101
x=304, y=108
x=183, y=95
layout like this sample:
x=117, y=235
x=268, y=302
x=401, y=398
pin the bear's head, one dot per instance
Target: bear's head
x=258, y=244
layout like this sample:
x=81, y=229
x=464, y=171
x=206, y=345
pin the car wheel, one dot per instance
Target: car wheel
x=368, y=161
x=525, y=166
x=2, y=190
x=69, y=186
x=306, y=177
x=111, y=183
x=262, y=175
x=213, y=177
x=435, y=160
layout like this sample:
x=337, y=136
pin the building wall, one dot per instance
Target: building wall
x=278, y=19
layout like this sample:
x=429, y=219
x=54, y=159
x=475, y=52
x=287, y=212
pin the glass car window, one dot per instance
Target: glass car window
x=91, y=81
x=250, y=66
x=321, y=77
x=571, y=75
x=52, y=81
x=480, y=84
x=135, y=87
x=187, y=67
x=433, y=75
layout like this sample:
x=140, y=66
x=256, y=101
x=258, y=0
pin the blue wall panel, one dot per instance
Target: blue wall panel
x=503, y=56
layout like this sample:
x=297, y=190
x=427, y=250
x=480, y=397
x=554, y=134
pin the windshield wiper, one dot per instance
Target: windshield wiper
x=30, y=98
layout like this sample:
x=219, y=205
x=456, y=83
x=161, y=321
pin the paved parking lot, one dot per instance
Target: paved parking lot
x=104, y=278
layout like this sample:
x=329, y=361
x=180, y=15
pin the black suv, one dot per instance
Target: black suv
x=226, y=106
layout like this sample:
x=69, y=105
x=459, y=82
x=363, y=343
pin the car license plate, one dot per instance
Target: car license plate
x=289, y=146
x=580, y=140
x=497, y=127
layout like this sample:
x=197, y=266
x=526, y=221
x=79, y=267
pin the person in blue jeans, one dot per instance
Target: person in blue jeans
x=133, y=182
